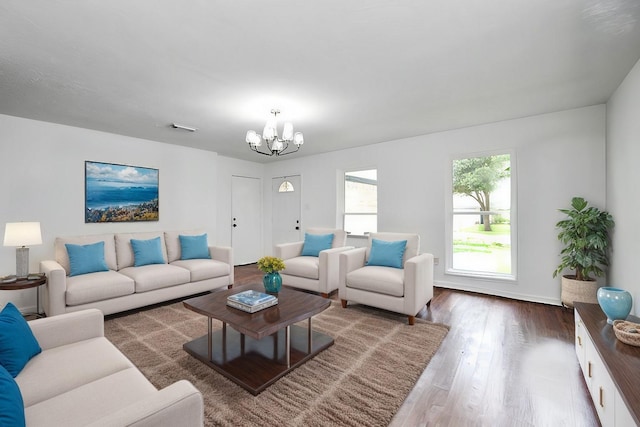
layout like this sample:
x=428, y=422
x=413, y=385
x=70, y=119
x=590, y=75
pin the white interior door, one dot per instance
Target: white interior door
x=246, y=221
x=286, y=196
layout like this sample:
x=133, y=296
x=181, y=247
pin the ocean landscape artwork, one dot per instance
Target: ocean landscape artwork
x=120, y=193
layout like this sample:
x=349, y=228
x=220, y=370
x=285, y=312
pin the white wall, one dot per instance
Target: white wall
x=623, y=182
x=559, y=155
x=42, y=179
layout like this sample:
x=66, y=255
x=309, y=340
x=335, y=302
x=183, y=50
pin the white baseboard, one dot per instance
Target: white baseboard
x=498, y=293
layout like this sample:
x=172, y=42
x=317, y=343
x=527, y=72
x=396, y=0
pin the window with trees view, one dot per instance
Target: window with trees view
x=361, y=202
x=482, y=230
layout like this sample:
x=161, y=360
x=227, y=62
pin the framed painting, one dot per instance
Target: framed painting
x=120, y=193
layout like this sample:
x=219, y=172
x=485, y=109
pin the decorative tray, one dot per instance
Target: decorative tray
x=627, y=332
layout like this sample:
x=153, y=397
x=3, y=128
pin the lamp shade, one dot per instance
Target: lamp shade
x=22, y=234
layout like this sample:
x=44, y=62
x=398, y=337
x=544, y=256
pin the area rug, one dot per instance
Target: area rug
x=362, y=379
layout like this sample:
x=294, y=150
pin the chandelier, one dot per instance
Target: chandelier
x=275, y=145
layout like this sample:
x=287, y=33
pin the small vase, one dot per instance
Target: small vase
x=272, y=282
x=615, y=302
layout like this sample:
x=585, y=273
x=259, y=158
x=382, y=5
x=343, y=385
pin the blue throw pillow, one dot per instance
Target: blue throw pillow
x=194, y=247
x=17, y=343
x=387, y=254
x=314, y=243
x=147, y=252
x=11, y=403
x=85, y=259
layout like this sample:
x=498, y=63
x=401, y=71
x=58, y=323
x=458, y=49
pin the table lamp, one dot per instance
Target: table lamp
x=20, y=235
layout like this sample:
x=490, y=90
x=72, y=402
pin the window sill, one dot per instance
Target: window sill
x=482, y=275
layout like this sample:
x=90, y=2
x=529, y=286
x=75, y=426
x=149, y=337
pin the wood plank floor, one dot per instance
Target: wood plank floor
x=503, y=363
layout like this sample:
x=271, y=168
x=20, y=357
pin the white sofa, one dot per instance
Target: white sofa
x=125, y=287
x=317, y=274
x=81, y=379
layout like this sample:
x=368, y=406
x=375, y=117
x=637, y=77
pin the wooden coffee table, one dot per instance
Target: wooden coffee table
x=255, y=349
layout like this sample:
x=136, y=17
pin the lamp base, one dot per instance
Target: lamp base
x=22, y=262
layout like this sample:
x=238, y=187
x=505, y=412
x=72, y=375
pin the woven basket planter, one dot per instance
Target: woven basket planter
x=578, y=291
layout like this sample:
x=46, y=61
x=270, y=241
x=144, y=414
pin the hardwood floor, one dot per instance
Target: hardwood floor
x=503, y=363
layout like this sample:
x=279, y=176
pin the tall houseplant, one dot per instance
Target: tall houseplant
x=585, y=234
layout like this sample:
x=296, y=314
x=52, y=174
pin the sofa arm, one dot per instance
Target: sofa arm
x=53, y=298
x=418, y=282
x=223, y=254
x=287, y=251
x=68, y=328
x=179, y=404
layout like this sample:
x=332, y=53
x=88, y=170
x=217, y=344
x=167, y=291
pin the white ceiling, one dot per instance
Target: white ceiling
x=346, y=72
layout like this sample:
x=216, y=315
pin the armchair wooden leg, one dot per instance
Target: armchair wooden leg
x=344, y=303
x=412, y=320
x=429, y=303
x=230, y=286
x=323, y=295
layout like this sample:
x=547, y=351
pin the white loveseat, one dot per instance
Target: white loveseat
x=125, y=287
x=81, y=379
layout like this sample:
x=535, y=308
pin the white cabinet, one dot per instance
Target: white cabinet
x=593, y=339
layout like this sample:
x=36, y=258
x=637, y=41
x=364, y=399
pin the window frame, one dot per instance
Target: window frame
x=344, y=201
x=449, y=270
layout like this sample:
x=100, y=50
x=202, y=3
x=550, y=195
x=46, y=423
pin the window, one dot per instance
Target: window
x=361, y=202
x=481, y=228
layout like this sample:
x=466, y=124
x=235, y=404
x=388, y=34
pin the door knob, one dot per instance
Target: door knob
x=235, y=225
x=297, y=228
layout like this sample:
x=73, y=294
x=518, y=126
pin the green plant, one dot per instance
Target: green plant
x=585, y=234
x=270, y=264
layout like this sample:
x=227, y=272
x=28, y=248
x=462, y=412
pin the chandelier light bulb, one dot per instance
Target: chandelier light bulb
x=287, y=132
x=298, y=139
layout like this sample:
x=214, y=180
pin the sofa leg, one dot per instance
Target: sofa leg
x=344, y=303
x=412, y=320
x=230, y=286
x=324, y=295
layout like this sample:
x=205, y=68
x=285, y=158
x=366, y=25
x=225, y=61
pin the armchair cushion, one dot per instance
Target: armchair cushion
x=85, y=259
x=379, y=280
x=314, y=243
x=303, y=266
x=17, y=343
x=387, y=254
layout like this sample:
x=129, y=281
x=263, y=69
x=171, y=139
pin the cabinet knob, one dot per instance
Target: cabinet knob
x=579, y=340
x=601, y=397
x=589, y=369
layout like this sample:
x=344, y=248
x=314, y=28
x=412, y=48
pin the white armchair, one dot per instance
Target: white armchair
x=403, y=290
x=313, y=273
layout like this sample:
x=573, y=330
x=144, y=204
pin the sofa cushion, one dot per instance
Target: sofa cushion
x=387, y=254
x=146, y=252
x=156, y=276
x=17, y=343
x=124, y=250
x=11, y=404
x=314, y=243
x=67, y=367
x=194, y=247
x=85, y=259
x=91, y=401
x=62, y=257
x=202, y=269
x=303, y=266
x=97, y=287
x=382, y=280
x=172, y=240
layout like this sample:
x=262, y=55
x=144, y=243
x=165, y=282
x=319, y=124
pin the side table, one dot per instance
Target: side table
x=24, y=283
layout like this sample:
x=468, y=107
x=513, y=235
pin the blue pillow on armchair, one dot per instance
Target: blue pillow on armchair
x=314, y=243
x=387, y=254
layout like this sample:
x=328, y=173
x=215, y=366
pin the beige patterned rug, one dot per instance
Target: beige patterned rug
x=361, y=380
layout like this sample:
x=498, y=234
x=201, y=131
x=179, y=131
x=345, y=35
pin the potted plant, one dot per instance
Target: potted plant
x=585, y=234
x=271, y=280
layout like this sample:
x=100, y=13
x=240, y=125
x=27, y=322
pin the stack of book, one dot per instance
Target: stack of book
x=251, y=301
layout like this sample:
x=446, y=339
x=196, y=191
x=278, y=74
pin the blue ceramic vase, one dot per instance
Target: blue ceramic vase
x=615, y=302
x=272, y=282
